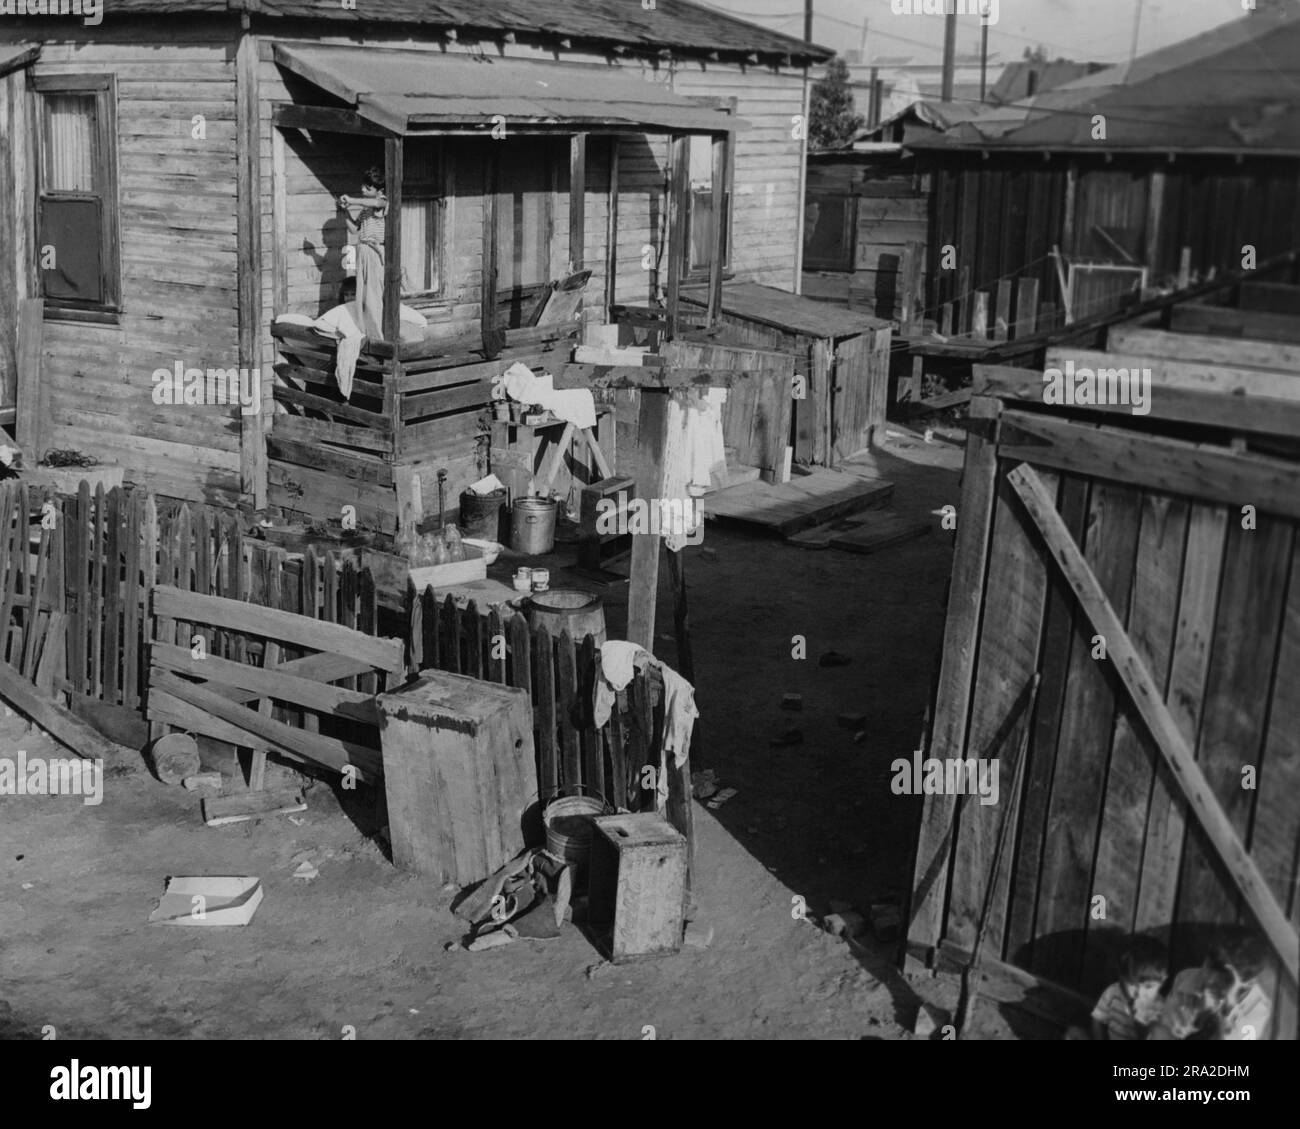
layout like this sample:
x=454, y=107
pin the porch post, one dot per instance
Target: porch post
x=681, y=160
x=393, y=242
x=611, y=244
x=721, y=144
x=577, y=199
x=248, y=244
x=488, y=285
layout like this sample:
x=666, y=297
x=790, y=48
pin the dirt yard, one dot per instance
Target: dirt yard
x=363, y=945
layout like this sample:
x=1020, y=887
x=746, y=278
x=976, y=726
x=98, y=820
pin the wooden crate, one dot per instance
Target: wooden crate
x=459, y=774
x=637, y=886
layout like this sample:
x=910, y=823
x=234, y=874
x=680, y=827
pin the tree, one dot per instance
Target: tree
x=834, y=121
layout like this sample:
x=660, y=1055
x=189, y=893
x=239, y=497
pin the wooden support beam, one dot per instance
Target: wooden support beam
x=289, y=116
x=1209, y=408
x=577, y=200
x=1149, y=702
x=643, y=588
x=1026, y=307
x=393, y=172
x=33, y=415
x=64, y=726
x=677, y=213
x=1206, y=473
x=720, y=148
x=248, y=242
x=490, y=341
x=611, y=230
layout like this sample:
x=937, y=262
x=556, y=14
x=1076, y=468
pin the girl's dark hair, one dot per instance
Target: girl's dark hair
x=1144, y=955
x=347, y=290
x=374, y=176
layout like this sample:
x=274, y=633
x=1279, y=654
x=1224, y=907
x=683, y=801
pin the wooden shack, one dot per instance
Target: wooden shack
x=184, y=167
x=843, y=356
x=1146, y=568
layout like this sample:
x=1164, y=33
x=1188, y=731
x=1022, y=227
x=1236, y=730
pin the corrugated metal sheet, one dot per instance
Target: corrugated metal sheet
x=401, y=89
x=671, y=23
x=1235, y=89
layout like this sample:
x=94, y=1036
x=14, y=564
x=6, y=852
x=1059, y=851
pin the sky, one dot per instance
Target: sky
x=1082, y=30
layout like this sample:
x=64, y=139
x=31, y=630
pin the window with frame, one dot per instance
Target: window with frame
x=424, y=205
x=77, y=194
x=699, y=209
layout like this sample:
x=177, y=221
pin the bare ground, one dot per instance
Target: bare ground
x=362, y=945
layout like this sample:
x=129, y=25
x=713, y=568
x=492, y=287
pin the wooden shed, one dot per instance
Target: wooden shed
x=842, y=354
x=1146, y=569
x=184, y=165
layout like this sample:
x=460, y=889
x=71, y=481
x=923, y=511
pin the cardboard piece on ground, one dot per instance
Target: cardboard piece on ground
x=225, y=901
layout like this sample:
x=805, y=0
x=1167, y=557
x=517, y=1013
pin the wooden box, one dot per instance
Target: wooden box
x=459, y=774
x=637, y=885
x=473, y=567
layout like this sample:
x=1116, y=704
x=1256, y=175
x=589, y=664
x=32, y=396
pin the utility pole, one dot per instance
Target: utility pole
x=1137, y=26
x=949, y=53
x=984, y=60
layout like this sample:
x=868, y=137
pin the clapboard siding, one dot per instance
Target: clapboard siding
x=177, y=261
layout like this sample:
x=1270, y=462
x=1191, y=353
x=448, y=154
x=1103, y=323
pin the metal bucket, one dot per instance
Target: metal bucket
x=480, y=514
x=569, y=823
x=532, y=525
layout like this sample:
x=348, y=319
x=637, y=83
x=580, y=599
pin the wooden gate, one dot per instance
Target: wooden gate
x=1147, y=567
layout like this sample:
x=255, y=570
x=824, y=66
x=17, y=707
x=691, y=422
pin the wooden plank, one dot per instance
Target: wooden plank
x=112, y=598
x=679, y=173
x=1270, y=298
x=1238, y=352
x=878, y=531
x=266, y=732
x=1014, y=601
x=1026, y=307
x=979, y=328
x=566, y=699
x=1276, y=824
x=235, y=615
x=490, y=268
x=1190, y=660
x=577, y=200
x=1169, y=740
x=85, y=547
x=1168, y=465
x=1002, y=310
x=1152, y=623
x=31, y=424
x=1087, y=720
x=1212, y=376
x=956, y=677
x=1238, y=412
x=268, y=683
x=60, y=723
x=802, y=503
x=1043, y=748
x=593, y=750
x=13, y=536
x=1252, y=605
x=643, y=588
x=248, y=245
x=611, y=228
x=544, y=719
x=1235, y=323
x=473, y=633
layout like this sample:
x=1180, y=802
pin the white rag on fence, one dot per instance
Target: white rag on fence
x=573, y=405
x=619, y=661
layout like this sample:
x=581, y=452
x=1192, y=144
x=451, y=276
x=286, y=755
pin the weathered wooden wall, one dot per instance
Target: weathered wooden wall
x=883, y=204
x=177, y=251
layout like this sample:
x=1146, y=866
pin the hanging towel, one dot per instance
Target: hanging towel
x=573, y=405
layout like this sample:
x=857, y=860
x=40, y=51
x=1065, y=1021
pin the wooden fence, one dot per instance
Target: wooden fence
x=74, y=584
x=1147, y=570
x=574, y=757
x=87, y=561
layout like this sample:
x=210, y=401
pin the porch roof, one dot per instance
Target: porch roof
x=403, y=91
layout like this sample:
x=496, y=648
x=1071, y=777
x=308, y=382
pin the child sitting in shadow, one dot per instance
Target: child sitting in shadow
x=1223, y=998
x=1127, y=1009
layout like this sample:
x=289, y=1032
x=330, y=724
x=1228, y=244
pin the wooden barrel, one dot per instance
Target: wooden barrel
x=566, y=609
